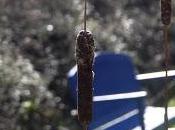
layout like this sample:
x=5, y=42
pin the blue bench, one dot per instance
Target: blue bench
x=118, y=97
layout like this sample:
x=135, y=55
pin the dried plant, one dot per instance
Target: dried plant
x=85, y=55
x=166, y=11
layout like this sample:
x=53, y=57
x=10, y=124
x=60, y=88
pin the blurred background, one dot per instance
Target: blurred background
x=37, y=41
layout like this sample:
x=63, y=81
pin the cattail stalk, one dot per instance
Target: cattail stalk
x=84, y=57
x=166, y=62
x=166, y=12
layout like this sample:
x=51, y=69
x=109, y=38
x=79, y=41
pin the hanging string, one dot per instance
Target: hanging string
x=166, y=20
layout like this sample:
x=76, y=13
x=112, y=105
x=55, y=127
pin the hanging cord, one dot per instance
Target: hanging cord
x=166, y=11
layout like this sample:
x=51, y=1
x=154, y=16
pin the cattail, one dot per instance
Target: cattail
x=85, y=56
x=166, y=11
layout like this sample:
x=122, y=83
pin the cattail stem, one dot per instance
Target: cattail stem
x=167, y=58
x=166, y=12
x=85, y=14
x=85, y=126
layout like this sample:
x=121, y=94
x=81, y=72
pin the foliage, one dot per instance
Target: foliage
x=31, y=56
x=25, y=100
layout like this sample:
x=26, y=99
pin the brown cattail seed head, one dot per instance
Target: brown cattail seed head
x=166, y=10
x=85, y=56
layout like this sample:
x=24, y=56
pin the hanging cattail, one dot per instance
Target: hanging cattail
x=85, y=56
x=166, y=11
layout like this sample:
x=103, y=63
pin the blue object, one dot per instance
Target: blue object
x=114, y=74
